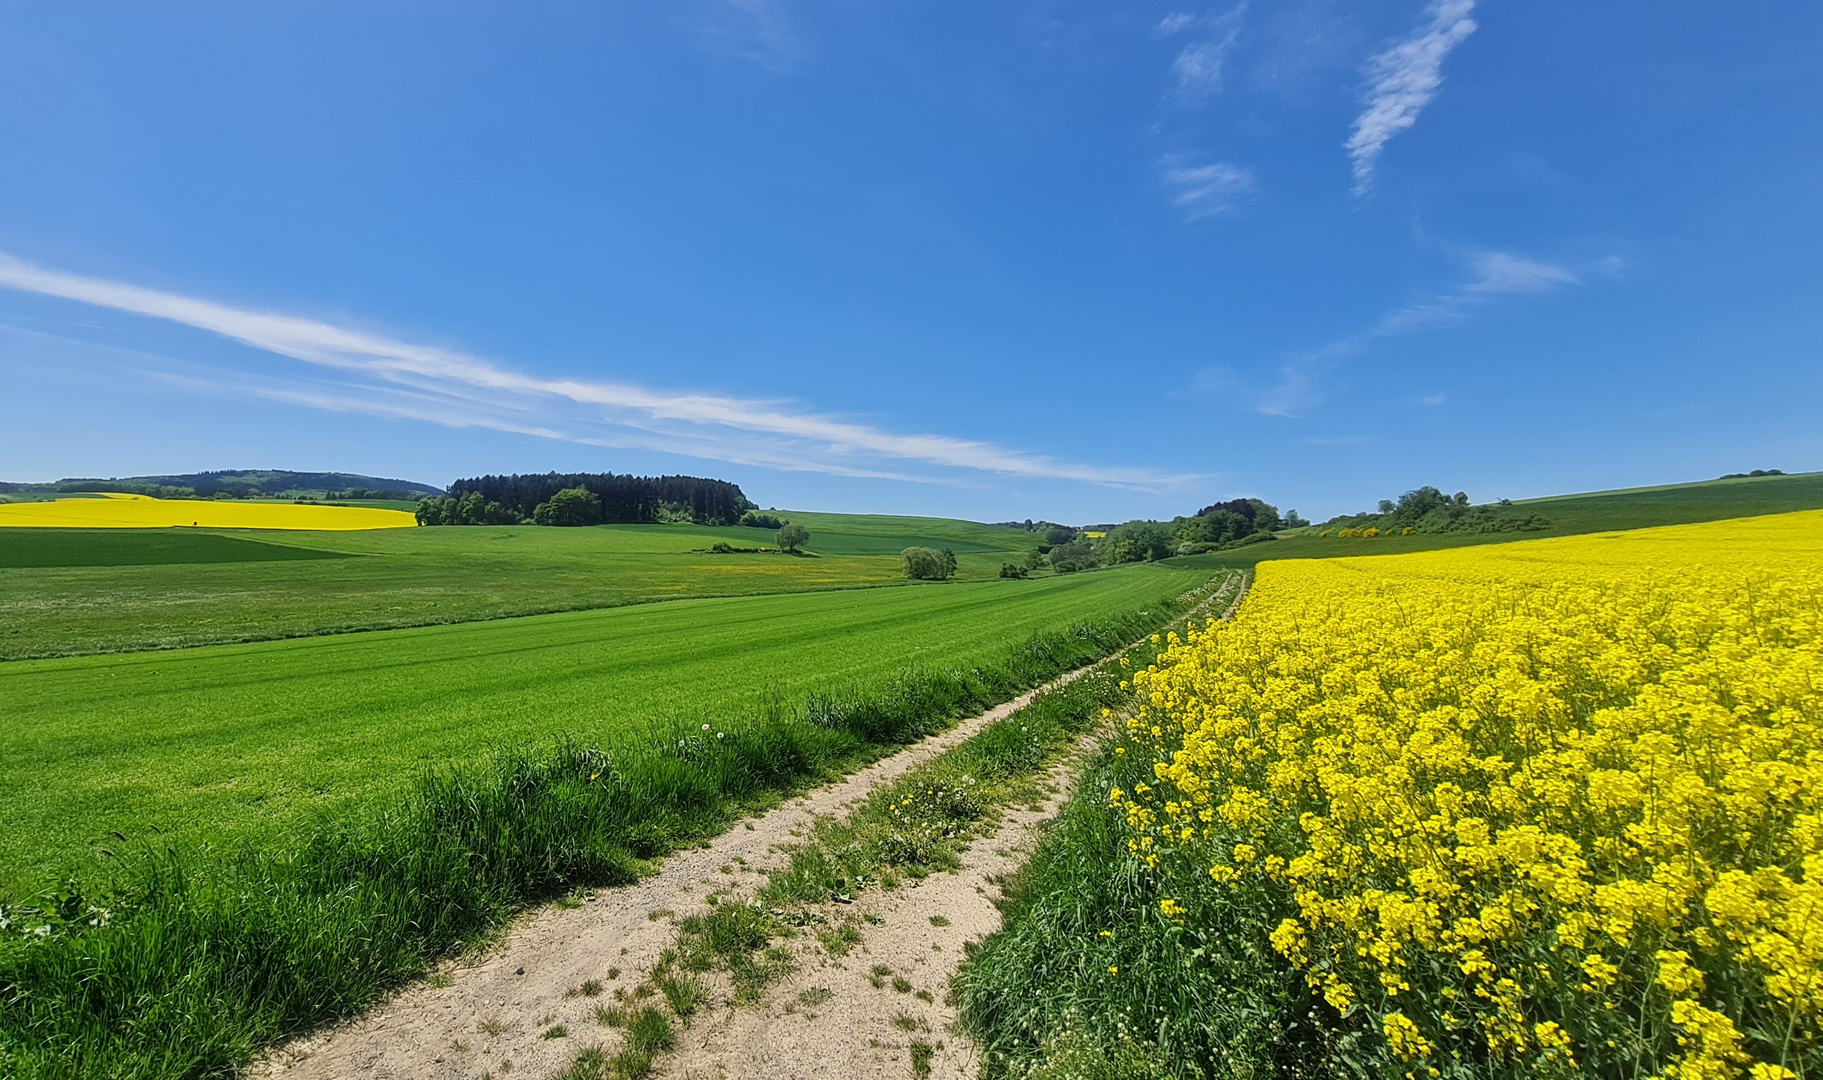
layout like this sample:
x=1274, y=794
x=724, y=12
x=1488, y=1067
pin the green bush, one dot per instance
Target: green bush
x=792, y=537
x=1069, y=558
x=470, y=509
x=571, y=507
x=928, y=564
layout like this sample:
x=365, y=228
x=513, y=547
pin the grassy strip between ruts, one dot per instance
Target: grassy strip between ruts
x=910, y=828
x=189, y=965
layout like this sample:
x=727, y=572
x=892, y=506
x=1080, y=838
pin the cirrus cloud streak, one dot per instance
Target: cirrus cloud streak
x=1403, y=80
x=458, y=389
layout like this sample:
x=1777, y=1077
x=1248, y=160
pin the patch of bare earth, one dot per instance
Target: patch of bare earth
x=881, y=1009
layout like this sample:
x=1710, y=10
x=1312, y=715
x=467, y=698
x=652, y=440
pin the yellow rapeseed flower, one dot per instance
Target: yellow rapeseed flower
x=1521, y=789
x=139, y=512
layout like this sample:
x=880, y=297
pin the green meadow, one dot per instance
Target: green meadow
x=39, y=549
x=77, y=591
x=230, y=742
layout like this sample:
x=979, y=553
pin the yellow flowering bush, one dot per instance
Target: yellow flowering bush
x=1550, y=807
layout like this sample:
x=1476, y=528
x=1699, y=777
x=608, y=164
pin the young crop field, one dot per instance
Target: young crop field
x=226, y=742
x=93, y=591
x=1546, y=808
x=62, y=548
x=114, y=511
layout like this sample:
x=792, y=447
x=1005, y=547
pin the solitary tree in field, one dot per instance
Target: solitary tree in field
x=792, y=537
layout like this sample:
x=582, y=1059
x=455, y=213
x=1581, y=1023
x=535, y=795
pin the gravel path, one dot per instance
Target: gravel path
x=849, y=1016
x=470, y=1018
x=495, y=1014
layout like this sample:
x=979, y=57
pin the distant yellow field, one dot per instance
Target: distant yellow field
x=140, y=512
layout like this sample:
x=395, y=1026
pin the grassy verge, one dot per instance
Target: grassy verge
x=1090, y=981
x=188, y=965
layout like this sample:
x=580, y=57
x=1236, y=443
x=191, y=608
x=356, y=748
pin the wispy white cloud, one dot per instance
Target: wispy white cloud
x=1297, y=386
x=1198, y=187
x=1290, y=391
x=1497, y=272
x=1402, y=80
x=388, y=376
x=1492, y=274
x=1174, y=22
x=1206, y=190
x=1200, y=66
x=756, y=30
x=1293, y=394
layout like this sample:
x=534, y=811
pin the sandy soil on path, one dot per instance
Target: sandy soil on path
x=472, y=1017
x=849, y=1017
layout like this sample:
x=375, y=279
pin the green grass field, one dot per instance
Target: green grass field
x=238, y=741
x=66, y=548
x=114, y=593
x=1570, y=515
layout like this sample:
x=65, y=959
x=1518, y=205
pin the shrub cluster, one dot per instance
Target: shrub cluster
x=1429, y=510
x=928, y=564
x=571, y=506
x=470, y=509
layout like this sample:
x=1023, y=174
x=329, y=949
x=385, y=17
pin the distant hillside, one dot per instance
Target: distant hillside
x=270, y=482
x=1568, y=515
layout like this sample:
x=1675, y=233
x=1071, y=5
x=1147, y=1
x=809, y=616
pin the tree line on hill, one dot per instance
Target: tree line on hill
x=1428, y=510
x=1068, y=548
x=1240, y=522
x=587, y=499
x=239, y=484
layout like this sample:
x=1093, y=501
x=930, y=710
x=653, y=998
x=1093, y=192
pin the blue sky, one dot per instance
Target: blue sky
x=1084, y=261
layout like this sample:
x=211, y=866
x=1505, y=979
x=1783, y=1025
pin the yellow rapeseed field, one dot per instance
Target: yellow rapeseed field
x=140, y=512
x=1549, y=807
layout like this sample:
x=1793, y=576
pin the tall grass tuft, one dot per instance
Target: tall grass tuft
x=187, y=965
x=1088, y=979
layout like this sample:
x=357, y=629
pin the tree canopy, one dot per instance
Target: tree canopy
x=793, y=537
x=928, y=564
x=619, y=499
x=571, y=506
